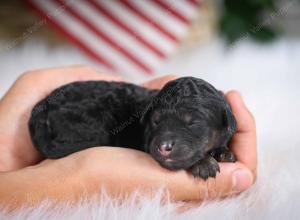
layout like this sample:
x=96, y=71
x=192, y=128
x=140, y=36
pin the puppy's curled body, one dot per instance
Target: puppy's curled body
x=185, y=125
x=88, y=114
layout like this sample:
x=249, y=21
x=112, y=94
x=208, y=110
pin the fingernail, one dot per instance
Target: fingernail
x=241, y=180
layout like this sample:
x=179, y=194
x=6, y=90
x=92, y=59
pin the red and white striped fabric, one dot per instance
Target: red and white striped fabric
x=132, y=36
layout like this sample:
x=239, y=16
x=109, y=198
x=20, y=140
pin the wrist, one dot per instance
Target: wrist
x=29, y=186
x=12, y=158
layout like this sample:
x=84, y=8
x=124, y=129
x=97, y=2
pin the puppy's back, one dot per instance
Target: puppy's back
x=85, y=114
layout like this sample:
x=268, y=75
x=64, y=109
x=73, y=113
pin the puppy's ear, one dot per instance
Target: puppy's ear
x=229, y=120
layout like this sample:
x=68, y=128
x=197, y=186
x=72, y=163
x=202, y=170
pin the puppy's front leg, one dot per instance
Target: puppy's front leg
x=223, y=154
x=207, y=167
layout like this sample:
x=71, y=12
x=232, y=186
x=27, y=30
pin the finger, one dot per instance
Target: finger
x=82, y=72
x=159, y=82
x=36, y=85
x=243, y=143
x=148, y=174
x=233, y=178
x=48, y=79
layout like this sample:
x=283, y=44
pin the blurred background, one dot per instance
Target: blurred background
x=141, y=39
x=249, y=45
x=246, y=45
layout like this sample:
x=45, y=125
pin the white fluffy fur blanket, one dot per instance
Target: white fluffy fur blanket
x=267, y=76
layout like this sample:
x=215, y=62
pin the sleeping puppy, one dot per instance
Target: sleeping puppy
x=185, y=125
x=188, y=125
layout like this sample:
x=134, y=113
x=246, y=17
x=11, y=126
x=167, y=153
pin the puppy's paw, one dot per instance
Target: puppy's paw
x=205, y=168
x=223, y=154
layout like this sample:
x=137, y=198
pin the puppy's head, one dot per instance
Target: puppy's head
x=183, y=122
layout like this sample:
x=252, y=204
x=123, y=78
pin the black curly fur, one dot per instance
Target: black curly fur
x=188, y=111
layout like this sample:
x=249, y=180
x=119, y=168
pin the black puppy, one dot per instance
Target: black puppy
x=185, y=125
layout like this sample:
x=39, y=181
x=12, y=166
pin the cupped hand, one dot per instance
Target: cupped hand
x=121, y=171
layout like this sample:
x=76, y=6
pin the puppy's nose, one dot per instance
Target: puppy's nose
x=165, y=147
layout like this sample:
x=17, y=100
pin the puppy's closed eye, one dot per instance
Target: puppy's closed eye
x=190, y=120
x=155, y=119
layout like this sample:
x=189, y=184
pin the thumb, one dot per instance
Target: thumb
x=158, y=83
x=232, y=179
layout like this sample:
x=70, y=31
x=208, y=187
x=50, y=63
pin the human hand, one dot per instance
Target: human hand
x=16, y=149
x=86, y=169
